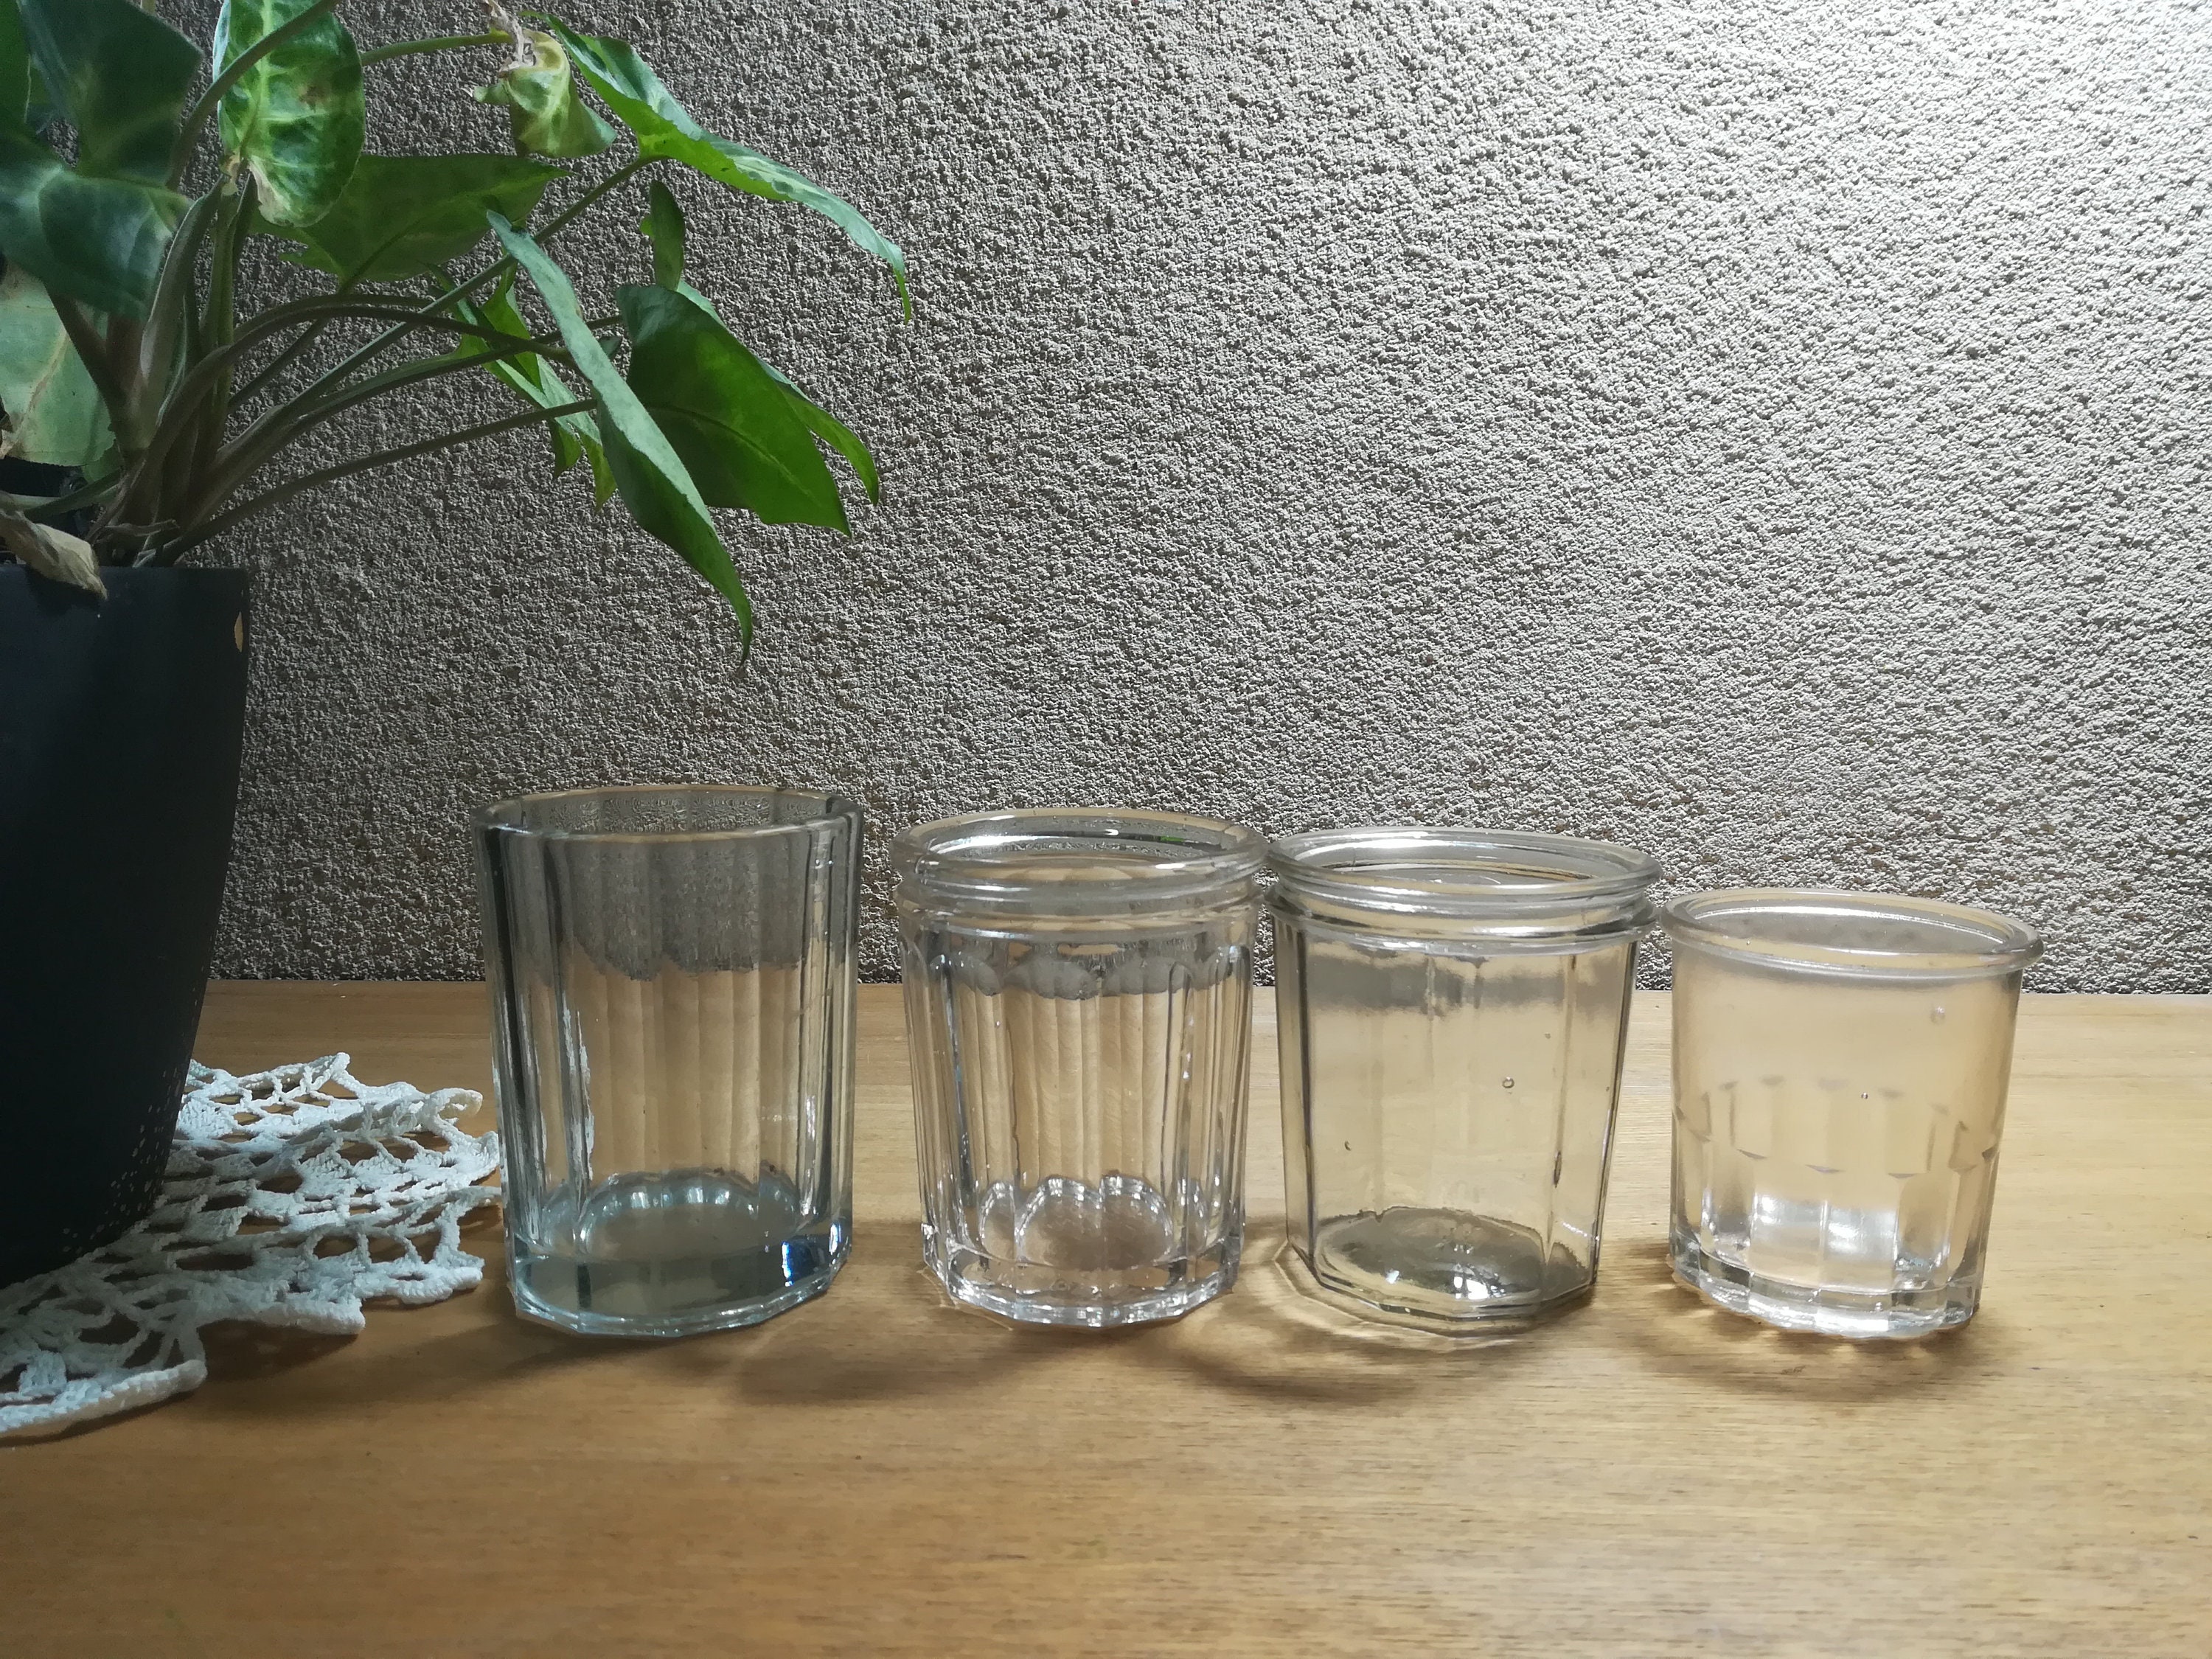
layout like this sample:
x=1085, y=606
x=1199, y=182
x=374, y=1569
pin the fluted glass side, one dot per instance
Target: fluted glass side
x=1078, y=1015
x=1841, y=1064
x=673, y=981
x=1451, y=1007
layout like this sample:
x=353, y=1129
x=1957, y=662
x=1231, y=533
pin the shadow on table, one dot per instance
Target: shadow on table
x=238, y=1352
x=281, y=1373
x=887, y=1331
x=903, y=1337
x=883, y=1330
x=1279, y=1336
x=1672, y=1327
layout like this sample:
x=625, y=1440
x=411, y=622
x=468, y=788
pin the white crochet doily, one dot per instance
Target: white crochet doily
x=291, y=1197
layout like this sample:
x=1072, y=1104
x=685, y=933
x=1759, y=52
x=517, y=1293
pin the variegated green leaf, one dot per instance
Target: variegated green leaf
x=15, y=69
x=97, y=240
x=120, y=75
x=54, y=413
x=295, y=118
x=539, y=95
x=401, y=215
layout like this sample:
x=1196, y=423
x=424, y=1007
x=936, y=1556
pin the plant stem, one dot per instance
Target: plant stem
x=422, y=317
x=125, y=338
x=275, y=321
x=167, y=326
x=437, y=43
x=219, y=321
x=568, y=212
x=61, y=506
x=218, y=328
x=188, y=135
x=160, y=474
x=285, y=425
x=283, y=361
x=391, y=336
x=170, y=552
x=292, y=353
x=179, y=411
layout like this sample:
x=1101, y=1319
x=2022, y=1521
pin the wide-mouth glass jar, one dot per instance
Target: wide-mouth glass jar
x=671, y=971
x=1841, y=1064
x=1078, y=987
x=1451, y=1007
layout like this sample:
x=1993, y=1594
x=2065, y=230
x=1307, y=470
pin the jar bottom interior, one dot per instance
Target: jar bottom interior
x=1092, y=1297
x=674, y=1254
x=1079, y=1106
x=1823, y=1309
x=1449, y=1265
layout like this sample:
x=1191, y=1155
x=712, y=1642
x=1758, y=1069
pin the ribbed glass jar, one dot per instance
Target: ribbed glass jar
x=671, y=974
x=1451, y=1005
x=1078, y=991
x=1841, y=1063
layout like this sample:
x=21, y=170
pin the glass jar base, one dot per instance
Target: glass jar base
x=1384, y=1307
x=669, y=1299
x=1443, y=1270
x=1461, y=1323
x=977, y=1281
x=1824, y=1312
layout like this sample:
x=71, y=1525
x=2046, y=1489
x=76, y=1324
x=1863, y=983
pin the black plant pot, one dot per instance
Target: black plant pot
x=121, y=722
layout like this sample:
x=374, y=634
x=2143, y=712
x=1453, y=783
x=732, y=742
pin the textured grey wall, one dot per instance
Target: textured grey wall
x=1772, y=436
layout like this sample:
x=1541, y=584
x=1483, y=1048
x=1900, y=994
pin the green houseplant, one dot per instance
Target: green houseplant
x=127, y=349
x=157, y=405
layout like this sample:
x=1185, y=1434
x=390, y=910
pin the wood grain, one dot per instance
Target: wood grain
x=879, y=1474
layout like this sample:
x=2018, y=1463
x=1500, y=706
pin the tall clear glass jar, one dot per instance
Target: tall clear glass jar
x=1452, y=1005
x=1078, y=992
x=1841, y=1063
x=672, y=973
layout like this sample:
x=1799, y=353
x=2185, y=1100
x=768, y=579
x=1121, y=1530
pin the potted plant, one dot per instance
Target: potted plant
x=151, y=407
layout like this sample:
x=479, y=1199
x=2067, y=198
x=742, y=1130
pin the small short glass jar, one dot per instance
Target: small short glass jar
x=1079, y=995
x=1452, y=1005
x=1841, y=1062
x=671, y=973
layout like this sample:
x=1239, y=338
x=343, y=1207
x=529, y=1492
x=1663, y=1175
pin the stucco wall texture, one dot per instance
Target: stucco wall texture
x=1773, y=436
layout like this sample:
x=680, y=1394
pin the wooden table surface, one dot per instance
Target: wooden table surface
x=877, y=1472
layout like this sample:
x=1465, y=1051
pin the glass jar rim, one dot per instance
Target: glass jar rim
x=1927, y=937
x=1409, y=867
x=832, y=809
x=980, y=857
